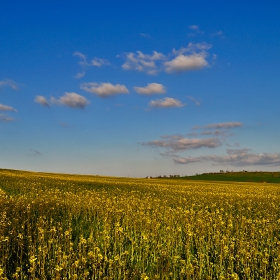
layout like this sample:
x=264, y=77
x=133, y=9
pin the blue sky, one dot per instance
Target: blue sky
x=139, y=88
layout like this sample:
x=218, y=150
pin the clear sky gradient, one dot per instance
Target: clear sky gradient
x=139, y=88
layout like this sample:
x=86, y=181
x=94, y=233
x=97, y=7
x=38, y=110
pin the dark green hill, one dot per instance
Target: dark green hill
x=267, y=177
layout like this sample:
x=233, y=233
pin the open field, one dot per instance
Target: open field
x=55, y=226
x=261, y=177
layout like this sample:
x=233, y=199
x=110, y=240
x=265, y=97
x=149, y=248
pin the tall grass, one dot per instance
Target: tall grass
x=82, y=227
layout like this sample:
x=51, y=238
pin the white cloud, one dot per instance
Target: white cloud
x=183, y=63
x=166, y=103
x=220, y=125
x=143, y=62
x=8, y=83
x=104, y=89
x=41, y=100
x=187, y=144
x=191, y=57
x=179, y=143
x=241, y=157
x=152, y=88
x=71, y=99
x=6, y=108
x=6, y=118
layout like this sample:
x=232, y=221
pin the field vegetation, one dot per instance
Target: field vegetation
x=55, y=226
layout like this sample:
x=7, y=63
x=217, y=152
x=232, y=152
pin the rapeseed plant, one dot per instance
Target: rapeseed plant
x=83, y=227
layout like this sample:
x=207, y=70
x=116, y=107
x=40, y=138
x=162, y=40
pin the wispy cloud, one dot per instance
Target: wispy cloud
x=167, y=102
x=150, y=89
x=236, y=144
x=179, y=143
x=216, y=132
x=217, y=34
x=145, y=35
x=6, y=118
x=224, y=125
x=9, y=83
x=42, y=101
x=63, y=124
x=196, y=102
x=97, y=62
x=83, y=61
x=216, y=135
x=235, y=157
x=104, y=89
x=80, y=75
x=6, y=108
x=192, y=48
x=71, y=99
x=35, y=152
x=222, y=130
x=186, y=160
x=195, y=31
x=194, y=27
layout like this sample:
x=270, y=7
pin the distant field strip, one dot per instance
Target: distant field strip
x=55, y=226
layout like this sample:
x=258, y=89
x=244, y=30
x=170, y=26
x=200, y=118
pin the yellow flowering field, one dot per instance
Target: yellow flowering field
x=55, y=226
